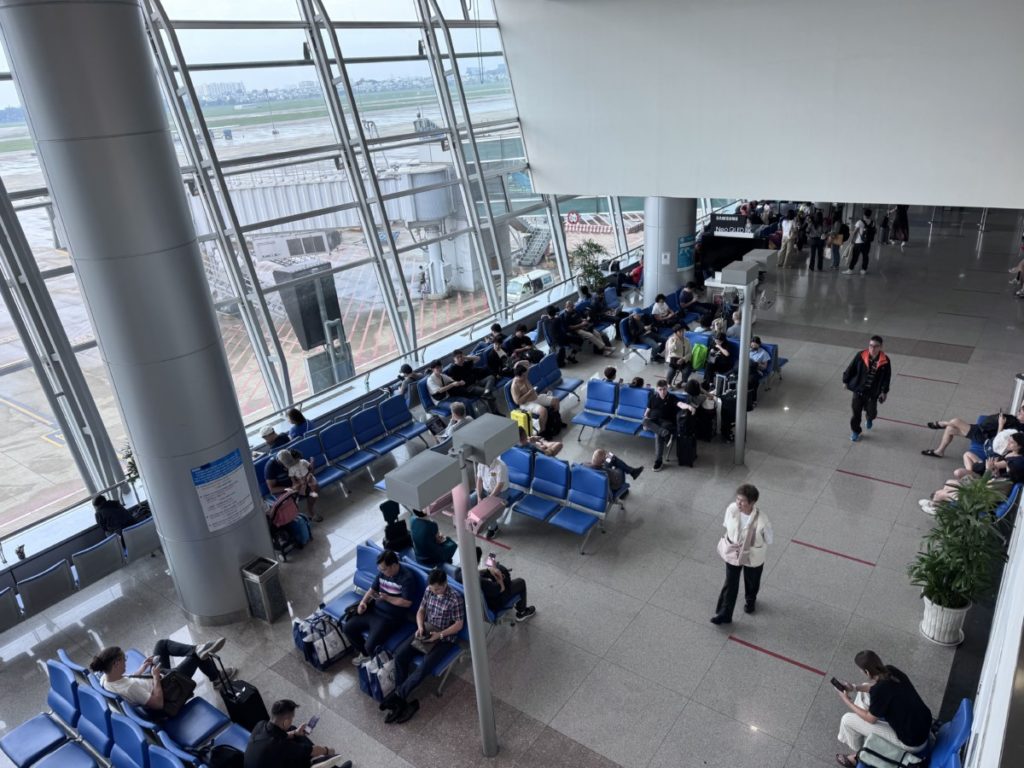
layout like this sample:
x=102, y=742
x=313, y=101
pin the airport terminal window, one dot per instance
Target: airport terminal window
x=633, y=220
x=252, y=10
x=588, y=218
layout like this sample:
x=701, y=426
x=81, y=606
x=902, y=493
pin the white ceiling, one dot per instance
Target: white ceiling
x=916, y=101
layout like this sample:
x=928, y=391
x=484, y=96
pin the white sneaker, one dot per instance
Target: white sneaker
x=358, y=659
x=863, y=271
x=927, y=506
x=847, y=272
x=206, y=650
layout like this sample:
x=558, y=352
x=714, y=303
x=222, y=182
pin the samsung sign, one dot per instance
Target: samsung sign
x=730, y=225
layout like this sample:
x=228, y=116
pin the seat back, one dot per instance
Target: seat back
x=311, y=450
x=97, y=561
x=546, y=330
x=611, y=298
x=44, y=589
x=550, y=477
x=260, y=466
x=632, y=402
x=536, y=376
x=624, y=334
x=697, y=337
x=10, y=613
x=337, y=440
x=129, y=750
x=520, y=466
x=1011, y=501
x=62, y=697
x=161, y=758
x=367, y=426
x=550, y=372
x=951, y=738
x=94, y=723
x=425, y=397
x=589, y=490
x=507, y=391
x=602, y=397
x=394, y=413
x=140, y=539
x=672, y=299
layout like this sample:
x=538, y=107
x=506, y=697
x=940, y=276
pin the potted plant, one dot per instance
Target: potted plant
x=585, y=260
x=131, y=471
x=958, y=562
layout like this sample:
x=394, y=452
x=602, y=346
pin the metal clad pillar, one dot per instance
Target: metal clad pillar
x=670, y=225
x=97, y=118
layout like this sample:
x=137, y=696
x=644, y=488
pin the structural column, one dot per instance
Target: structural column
x=85, y=75
x=670, y=225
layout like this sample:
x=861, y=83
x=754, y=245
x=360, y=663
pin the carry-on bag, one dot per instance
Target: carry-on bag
x=242, y=700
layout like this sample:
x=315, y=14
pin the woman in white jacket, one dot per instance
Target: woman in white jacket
x=743, y=547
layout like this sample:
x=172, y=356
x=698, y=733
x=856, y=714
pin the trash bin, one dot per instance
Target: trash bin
x=262, y=581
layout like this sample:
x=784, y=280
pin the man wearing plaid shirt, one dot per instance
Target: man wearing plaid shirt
x=439, y=619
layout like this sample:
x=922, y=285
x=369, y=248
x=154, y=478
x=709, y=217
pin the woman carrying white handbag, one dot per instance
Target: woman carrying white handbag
x=743, y=547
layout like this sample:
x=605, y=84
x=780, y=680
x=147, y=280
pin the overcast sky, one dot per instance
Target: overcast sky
x=215, y=46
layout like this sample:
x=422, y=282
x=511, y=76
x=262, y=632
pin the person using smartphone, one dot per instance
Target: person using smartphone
x=499, y=588
x=278, y=743
x=886, y=705
x=383, y=608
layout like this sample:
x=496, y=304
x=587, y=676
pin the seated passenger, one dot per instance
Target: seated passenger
x=1008, y=460
x=477, y=381
x=679, y=353
x=662, y=312
x=887, y=705
x=525, y=396
x=977, y=433
x=538, y=443
x=736, y=328
x=760, y=357
x=577, y=326
x=275, y=474
x=951, y=489
x=518, y=339
x=396, y=532
x=719, y=358
x=492, y=480
x=145, y=687
x=609, y=375
x=458, y=420
x=661, y=418
x=300, y=424
x=637, y=382
x=551, y=328
x=705, y=322
x=499, y=364
x=615, y=468
x=527, y=352
x=439, y=620
x=407, y=378
x=688, y=301
x=384, y=607
x=272, y=441
x=430, y=545
x=111, y=516
x=499, y=587
x=278, y=743
x=302, y=481
x=641, y=331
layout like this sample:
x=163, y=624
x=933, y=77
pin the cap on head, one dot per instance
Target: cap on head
x=283, y=707
x=267, y=431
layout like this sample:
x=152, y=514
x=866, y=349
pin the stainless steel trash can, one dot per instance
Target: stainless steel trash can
x=262, y=581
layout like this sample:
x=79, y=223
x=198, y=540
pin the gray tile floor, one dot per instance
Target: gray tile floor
x=620, y=665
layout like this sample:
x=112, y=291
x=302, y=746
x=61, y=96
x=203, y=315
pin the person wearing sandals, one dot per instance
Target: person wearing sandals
x=989, y=427
x=887, y=705
x=743, y=547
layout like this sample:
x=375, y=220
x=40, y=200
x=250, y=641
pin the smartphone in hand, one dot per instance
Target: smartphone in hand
x=312, y=723
x=839, y=686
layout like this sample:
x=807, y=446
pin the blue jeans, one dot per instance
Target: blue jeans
x=835, y=256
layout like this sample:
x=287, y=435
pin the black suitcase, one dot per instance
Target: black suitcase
x=686, y=450
x=242, y=700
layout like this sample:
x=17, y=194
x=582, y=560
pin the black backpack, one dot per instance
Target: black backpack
x=844, y=230
x=868, y=235
x=222, y=756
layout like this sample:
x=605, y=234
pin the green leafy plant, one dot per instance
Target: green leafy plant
x=585, y=260
x=958, y=562
x=131, y=469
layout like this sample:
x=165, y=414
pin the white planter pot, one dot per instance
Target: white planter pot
x=943, y=626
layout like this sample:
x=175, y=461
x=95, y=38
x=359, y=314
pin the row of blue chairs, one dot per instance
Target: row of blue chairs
x=546, y=377
x=353, y=443
x=571, y=497
x=366, y=573
x=615, y=407
x=87, y=725
x=35, y=593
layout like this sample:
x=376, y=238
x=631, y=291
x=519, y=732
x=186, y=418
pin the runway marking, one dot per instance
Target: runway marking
x=900, y=421
x=26, y=411
x=832, y=552
x=493, y=541
x=926, y=378
x=876, y=479
x=778, y=656
x=962, y=314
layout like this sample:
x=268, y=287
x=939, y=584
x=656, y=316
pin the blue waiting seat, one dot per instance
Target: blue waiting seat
x=71, y=755
x=94, y=723
x=192, y=727
x=30, y=741
x=260, y=466
x=10, y=610
x=326, y=473
x=62, y=697
x=1011, y=501
x=130, y=748
x=520, y=472
x=630, y=345
x=44, y=589
x=398, y=420
x=371, y=435
x=442, y=408
x=952, y=737
x=335, y=608
x=586, y=505
x=629, y=413
x=341, y=450
x=553, y=379
x=162, y=758
x=93, y=563
x=548, y=491
x=140, y=539
x=599, y=407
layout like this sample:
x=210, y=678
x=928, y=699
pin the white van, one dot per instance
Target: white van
x=522, y=287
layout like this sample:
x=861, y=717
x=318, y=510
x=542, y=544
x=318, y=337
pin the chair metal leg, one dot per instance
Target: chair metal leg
x=579, y=437
x=583, y=543
x=444, y=678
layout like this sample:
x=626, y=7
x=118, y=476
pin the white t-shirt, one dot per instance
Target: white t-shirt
x=437, y=382
x=492, y=476
x=299, y=469
x=660, y=309
x=858, y=231
x=787, y=227
x=137, y=690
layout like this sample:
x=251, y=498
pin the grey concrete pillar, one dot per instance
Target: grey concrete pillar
x=670, y=225
x=86, y=77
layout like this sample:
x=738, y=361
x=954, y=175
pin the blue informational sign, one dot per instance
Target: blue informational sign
x=223, y=490
x=684, y=252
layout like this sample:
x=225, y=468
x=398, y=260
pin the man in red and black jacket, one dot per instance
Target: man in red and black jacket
x=867, y=376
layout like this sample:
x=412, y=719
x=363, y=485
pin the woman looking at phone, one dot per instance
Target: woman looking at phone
x=887, y=705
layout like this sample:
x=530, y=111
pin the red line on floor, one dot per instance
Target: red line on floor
x=876, y=479
x=493, y=541
x=900, y=421
x=925, y=378
x=832, y=552
x=778, y=656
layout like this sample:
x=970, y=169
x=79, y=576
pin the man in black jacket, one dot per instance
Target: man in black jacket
x=277, y=743
x=111, y=515
x=867, y=376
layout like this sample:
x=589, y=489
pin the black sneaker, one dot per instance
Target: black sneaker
x=658, y=465
x=720, y=620
x=749, y=608
x=491, y=532
x=636, y=472
x=527, y=613
x=408, y=712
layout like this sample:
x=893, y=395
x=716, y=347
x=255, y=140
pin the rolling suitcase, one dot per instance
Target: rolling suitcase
x=242, y=700
x=686, y=450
